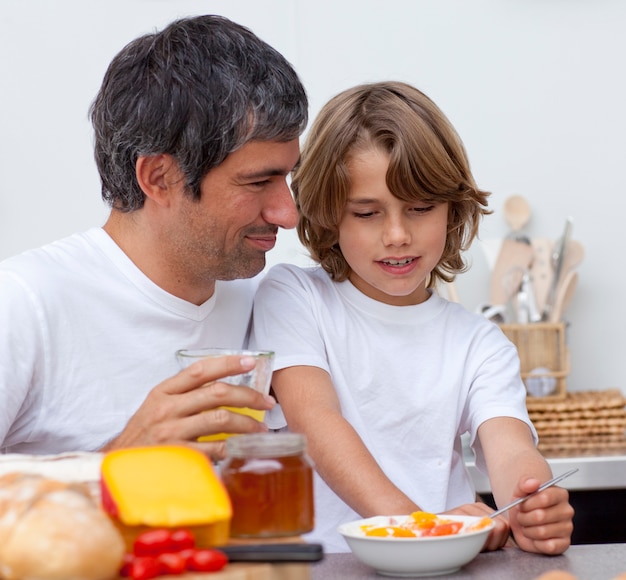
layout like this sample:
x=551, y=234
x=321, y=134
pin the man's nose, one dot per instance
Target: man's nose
x=280, y=208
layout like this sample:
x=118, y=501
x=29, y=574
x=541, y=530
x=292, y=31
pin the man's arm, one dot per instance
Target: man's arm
x=188, y=405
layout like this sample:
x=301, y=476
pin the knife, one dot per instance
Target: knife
x=285, y=552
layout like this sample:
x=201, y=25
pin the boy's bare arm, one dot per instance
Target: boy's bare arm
x=516, y=468
x=310, y=404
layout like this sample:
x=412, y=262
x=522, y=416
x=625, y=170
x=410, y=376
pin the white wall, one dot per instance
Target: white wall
x=536, y=90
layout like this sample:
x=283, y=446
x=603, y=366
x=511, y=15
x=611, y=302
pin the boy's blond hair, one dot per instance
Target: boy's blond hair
x=427, y=162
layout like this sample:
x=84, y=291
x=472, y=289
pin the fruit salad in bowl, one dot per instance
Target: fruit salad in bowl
x=418, y=544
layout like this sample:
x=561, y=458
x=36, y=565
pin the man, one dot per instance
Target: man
x=196, y=129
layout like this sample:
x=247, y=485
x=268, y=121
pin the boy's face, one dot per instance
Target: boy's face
x=391, y=245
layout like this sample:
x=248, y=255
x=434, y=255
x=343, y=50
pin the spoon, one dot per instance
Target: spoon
x=516, y=212
x=573, y=257
x=546, y=485
x=564, y=294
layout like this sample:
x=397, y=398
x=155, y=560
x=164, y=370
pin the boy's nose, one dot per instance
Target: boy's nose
x=396, y=232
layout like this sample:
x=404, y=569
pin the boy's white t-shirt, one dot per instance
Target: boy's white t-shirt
x=411, y=380
x=85, y=335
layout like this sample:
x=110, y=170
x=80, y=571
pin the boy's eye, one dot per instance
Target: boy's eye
x=422, y=209
x=363, y=215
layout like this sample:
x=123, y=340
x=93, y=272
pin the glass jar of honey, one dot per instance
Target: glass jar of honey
x=269, y=478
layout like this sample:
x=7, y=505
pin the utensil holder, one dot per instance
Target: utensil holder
x=541, y=345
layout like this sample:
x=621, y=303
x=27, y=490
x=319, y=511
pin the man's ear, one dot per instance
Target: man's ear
x=158, y=176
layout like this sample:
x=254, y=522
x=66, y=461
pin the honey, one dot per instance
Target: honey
x=269, y=478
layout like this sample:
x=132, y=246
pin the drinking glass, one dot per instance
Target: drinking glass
x=258, y=378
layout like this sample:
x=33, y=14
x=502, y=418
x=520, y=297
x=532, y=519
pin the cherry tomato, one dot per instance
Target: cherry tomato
x=182, y=539
x=126, y=565
x=172, y=563
x=207, y=560
x=446, y=529
x=187, y=554
x=152, y=542
x=144, y=568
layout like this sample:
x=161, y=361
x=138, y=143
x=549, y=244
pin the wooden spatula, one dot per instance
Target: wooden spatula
x=512, y=262
x=542, y=271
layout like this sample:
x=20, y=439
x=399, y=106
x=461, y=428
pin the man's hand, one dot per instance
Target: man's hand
x=188, y=405
x=543, y=523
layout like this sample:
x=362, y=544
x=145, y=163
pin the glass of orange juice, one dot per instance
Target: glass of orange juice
x=259, y=378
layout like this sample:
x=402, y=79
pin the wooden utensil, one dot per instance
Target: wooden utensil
x=516, y=212
x=541, y=271
x=564, y=294
x=573, y=257
x=513, y=260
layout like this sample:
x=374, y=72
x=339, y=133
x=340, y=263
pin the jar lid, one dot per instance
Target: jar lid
x=265, y=445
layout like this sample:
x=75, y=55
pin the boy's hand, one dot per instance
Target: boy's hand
x=543, y=523
x=499, y=536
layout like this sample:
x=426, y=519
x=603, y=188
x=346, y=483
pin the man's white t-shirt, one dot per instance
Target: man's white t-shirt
x=411, y=380
x=85, y=335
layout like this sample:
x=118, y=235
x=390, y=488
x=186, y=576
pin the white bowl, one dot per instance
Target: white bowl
x=425, y=556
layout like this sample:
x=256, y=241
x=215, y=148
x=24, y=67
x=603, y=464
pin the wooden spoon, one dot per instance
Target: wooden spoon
x=513, y=258
x=516, y=212
x=573, y=257
x=564, y=294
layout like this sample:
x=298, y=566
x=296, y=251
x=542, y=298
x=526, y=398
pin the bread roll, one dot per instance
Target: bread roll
x=557, y=575
x=51, y=530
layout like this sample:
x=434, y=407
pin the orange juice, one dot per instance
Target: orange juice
x=258, y=378
x=258, y=415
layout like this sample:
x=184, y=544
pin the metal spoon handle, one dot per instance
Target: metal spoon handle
x=546, y=485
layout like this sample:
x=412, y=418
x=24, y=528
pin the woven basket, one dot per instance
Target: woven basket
x=541, y=345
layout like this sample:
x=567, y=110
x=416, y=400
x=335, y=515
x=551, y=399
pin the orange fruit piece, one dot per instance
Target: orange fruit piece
x=481, y=524
x=390, y=531
x=424, y=520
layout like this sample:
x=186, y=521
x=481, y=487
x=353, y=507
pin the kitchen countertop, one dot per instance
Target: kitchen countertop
x=602, y=470
x=587, y=562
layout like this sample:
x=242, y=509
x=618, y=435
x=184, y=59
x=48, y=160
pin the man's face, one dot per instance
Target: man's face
x=225, y=234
